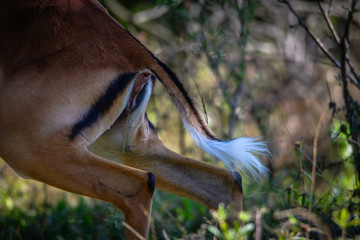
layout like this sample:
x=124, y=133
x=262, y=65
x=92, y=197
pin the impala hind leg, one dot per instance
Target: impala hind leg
x=196, y=180
x=129, y=189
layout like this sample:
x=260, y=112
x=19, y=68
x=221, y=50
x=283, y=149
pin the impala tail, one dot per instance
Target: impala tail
x=239, y=153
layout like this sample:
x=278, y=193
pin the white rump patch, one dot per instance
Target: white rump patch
x=237, y=153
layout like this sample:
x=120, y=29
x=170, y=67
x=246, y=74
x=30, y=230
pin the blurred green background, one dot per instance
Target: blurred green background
x=254, y=72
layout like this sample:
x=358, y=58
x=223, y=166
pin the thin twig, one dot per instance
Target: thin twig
x=166, y=236
x=202, y=101
x=330, y=6
x=152, y=226
x=329, y=23
x=352, y=69
x=131, y=229
x=258, y=228
x=337, y=40
x=332, y=105
x=319, y=42
x=313, y=172
x=353, y=141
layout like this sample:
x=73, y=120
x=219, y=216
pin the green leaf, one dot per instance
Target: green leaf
x=355, y=222
x=344, y=216
x=214, y=231
x=246, y=229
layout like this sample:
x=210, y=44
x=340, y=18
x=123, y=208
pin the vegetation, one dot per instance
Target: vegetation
x=285, y=70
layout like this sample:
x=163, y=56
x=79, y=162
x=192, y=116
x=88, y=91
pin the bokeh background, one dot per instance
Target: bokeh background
x=253, y=71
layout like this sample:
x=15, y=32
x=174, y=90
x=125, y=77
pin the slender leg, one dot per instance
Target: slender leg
x=84, y=173
x=199, y=181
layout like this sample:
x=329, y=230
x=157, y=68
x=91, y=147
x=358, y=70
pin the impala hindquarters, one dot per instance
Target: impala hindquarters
x=72, y=79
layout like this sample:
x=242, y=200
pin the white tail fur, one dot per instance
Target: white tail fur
x=238, y=152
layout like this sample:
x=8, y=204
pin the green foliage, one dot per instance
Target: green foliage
x=60, y=220
x=339, y=133
x=237, y=229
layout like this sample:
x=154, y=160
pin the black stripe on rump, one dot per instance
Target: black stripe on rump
x=139, y=98
x=103, y=103
x=190, y=102
x=153, y=80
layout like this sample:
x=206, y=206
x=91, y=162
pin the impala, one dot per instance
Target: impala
x=74, y=87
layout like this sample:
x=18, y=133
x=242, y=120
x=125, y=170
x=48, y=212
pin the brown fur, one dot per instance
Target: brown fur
x=56, y=59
